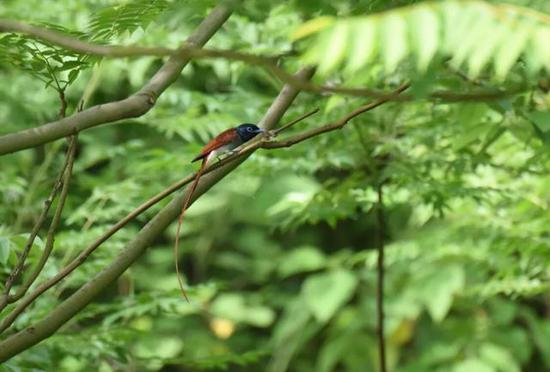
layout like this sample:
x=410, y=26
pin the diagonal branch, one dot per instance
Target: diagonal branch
x=134, y=106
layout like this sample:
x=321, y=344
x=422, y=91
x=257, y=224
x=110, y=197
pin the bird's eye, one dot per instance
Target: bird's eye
x=249, y=129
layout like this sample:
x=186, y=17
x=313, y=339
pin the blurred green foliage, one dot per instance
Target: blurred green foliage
x=280, y=255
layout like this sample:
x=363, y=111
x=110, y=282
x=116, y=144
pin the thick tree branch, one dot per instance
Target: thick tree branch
x=133, y=106
x=24, y=339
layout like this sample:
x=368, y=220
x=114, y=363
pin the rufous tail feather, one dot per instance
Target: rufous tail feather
x=180, y=221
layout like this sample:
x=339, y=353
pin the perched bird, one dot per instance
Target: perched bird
x=228, y=140
x=224, y=142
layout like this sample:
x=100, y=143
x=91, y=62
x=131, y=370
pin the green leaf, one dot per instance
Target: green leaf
x=232, y=306
x=301, y=260
x=539, y=55
x=498, y=357
x=508, y=53
x=480, y=57
x=336, y=45
x=449, y=28
x=541, y=336
x=394, y=48
x=363, y=45
x=73, y=75
x=4, y=250
x=439, y=288
x=541, y=120
x=425, y=35
x=473, y=365
x=325, y=293
x=477, y=23
x=312, y=27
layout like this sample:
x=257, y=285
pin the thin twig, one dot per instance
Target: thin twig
x=380, y=279
x=28, y=245
x=54, y=224
x=292, y=122
x=62, y=180
x=6, y=298
x=63, y=108
x=335, y=125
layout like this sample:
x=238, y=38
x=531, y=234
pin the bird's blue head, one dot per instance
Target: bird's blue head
x=248, y=131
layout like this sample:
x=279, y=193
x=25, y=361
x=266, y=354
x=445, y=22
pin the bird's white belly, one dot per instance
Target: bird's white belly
x=222, y=150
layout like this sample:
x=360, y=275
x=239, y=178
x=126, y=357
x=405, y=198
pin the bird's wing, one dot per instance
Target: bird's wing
x=222, y=139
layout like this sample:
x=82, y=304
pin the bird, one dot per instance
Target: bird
x=223, y=143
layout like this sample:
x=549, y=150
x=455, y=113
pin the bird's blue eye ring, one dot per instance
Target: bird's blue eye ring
x=249, y=129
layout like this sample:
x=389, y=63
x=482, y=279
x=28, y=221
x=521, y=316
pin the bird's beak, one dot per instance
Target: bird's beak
x=261, y=130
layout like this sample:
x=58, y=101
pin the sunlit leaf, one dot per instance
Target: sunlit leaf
x=325, y=293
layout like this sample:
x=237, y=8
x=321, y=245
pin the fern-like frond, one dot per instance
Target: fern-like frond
x=114, y=21
x=53, y=64
x=473, y=34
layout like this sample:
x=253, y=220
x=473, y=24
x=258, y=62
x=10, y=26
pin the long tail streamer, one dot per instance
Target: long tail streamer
x=180, y=221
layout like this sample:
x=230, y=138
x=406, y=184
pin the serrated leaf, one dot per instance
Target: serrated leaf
x=325, y=293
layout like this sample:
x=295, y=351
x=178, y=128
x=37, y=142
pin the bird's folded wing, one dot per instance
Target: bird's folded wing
x=224, y=138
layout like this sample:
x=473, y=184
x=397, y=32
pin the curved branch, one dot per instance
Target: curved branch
x=133, y=106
